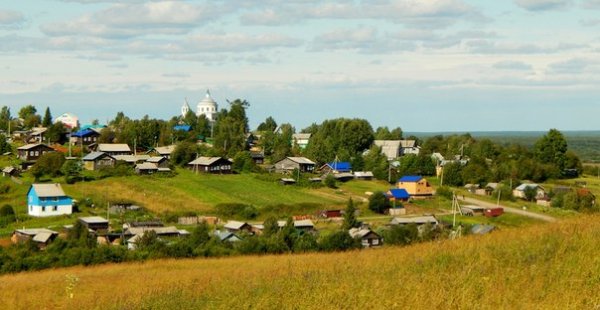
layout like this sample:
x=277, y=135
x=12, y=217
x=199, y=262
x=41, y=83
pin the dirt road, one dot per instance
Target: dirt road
x=486, y=204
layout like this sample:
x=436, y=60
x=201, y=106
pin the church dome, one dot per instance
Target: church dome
x=207, y=107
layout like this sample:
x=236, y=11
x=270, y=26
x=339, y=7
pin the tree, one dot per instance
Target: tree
x=376, y=162
x=339, y=241
x=48, y=164
x=452, y=175
x=552, y=149
x=27, y=111
x=384, y=133
x=230, y=129
x=56, y=133
x=378, y=202
x=184, y=153
x=47, y=120
x=330, y=181
x=4, y=145
x=200, y=235
x=342, y=138
x=350, y=220
x=268, y=125
x=271, y=227
x=5, y=118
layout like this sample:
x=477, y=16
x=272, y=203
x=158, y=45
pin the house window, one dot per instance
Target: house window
x=31, y=153
x=54, y=208
x=375, y=241
x=43, y=209
x=36, y=153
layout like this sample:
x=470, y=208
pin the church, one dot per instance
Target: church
x=207, y=107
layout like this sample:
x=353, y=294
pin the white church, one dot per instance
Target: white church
x=207, y=107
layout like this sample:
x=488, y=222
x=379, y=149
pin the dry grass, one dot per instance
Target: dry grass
x=553, y=266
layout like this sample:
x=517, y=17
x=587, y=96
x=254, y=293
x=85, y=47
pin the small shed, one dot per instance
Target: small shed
x=41, y=236
x=368, y=238
x=398, y=194
x=95, y=223
x=363, y=175
x=10, y=171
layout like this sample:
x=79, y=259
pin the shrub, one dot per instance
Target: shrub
x=339, y=241
x=330, y=181
x=378, y=202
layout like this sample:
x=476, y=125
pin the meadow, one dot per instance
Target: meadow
x=549, y=266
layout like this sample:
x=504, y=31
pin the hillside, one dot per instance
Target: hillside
x=544, y=266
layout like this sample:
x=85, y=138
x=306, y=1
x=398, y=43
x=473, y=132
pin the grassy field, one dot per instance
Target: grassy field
x=550, y=266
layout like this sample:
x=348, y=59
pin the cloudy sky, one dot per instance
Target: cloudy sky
x=423, y=65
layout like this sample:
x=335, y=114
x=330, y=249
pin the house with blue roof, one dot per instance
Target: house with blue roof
x=185, y=128
x=48, y=200
x=398, y=194
x=86, y=137
x=416, y=186
x=336, y=167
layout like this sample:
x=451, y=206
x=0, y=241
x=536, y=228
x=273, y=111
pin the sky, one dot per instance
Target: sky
x=422, y=65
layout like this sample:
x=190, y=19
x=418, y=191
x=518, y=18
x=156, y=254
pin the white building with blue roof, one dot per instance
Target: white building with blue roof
x=48, y=200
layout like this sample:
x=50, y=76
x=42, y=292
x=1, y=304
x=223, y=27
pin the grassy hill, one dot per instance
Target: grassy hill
x=552, y=266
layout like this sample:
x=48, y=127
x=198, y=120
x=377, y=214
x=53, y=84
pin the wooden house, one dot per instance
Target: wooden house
x=257, y=158
x=85, y=137
x=330, y=213
x=159, y=161
x=98, y=160
x=368, y=238
x=164, y=151
x=31, y=152
x=336, y=167
x=236, y=226
x=145, y=168
x=95, y=223
x=41, y=236
x=416, y=186
x=288, y=165
x=215, y=165
x=227, y=236
x=48, y=200
x=301, y=139
x=520, y=191
x=114, y=149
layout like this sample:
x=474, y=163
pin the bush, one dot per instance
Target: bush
x=330, y=181
x=444, y=191
x=378, y=202
x=236, y=210
x=401, y=234
x=339, y=241
x=4, y=188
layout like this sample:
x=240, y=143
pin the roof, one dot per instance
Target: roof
x=84, y=133
x=301, y=136
x=93, y=220
x=363, y=174
x=399, y=193
x=48, y=190
x=155, y=159
x=8, y=169
x=340, y=166
x=113, y=147
x=408, y=143
x=304, y=223
x=525, y=186
x=492, y=185
x=414, y=220
x=204, y=161
x=146, y=166
x=164, y=150
x=43, y=237
x=34, y=231
x=182, y=127
x=410, y=178
x=132, y=158
x=481, y=229
x=94, y=155
x=234, y=225
x=32, y=145
x=471, y=186
x=169, y=230
x=226, y=236
x=360, y=232
x=301, y=160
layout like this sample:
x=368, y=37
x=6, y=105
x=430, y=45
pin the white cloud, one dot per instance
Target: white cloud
x=590, y=22
x=592, y=4
x=512, y=65
x=8, y=18
x=130, y=20
x=572, y=66
x=543, y=5
x=483, y=46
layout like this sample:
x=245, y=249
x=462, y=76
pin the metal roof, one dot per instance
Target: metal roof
x=525, y=186
x=399, y=193
x=34, y=231
x=165, y=150
x=48, y=190
x=182, y=127
x=146, y=166
x=32, y=145
x=43, y=237
x=155, y=159
x=301, y=136
x=410, y=178
x=94, y=155
x=234, y=225
x=414, y=220
x=84, y=133
x=204, y=161
x=169, y=230
x=340, y=166
x=93, y=220
x=301, y=160
x=131, y=158
x=360, y=232
x=113, y=147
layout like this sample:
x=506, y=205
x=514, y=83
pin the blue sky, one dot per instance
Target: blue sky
x=440, y=65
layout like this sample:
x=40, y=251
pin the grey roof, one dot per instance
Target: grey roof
x=113, y=147
x=227, y=236
x=158, y=230
x=301, y=136
x=132, y=158
x=34, y=231
x=390, y=148
x=525, y=186
x=164, y=169
x=408, y=143
x=30, y=146
x=165, y=150
x=234, y=225
x=93, y=219
x=492, y=185
x=8, y=169
x=204, y=161
x=146, y=166
x=481, y=229
x=48, y=190
x=414, y=220
x=43, y=237
x=363, y=174
x=94, y=155
x=155, y=159
x=360, y=232
x=301, y=160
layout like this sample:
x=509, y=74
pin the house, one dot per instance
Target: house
x=301, y=139
x=48, y=200
x=368, y=238
x=472, y=210
x=146, y=168
x=520, y=191
x=31, y=152
x=363, y=175
x=114, y=149
x=159, y=161
x=10, y=171
x=409, y=147
x=390, y=148
x=471, y=188
x=398, y=194
x=330, y=213
x=416, y=186
x=217, y=165
x=227, y=236
x=258, y=158
x=417, y=220
x=164, y=151
x=41, y=236
x=305, y=225
x=184, y=128
x=132, y=159
x=161, y=232
x=336, y=167
x=98, y=160
x=85, y=137
x=490, y=188
x=36, y=135
x=236, y=226
x=94, y=223
x=288, y=165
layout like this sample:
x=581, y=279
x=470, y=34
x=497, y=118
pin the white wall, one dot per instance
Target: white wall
x=60, y=210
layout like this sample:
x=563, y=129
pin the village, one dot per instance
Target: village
x=396, y=208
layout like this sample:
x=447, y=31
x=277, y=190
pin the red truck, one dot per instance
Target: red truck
x=493, y=212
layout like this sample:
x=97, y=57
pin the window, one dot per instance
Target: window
x=36, y=153
x=43, y=209
x=375, y=241
x=54, y=208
